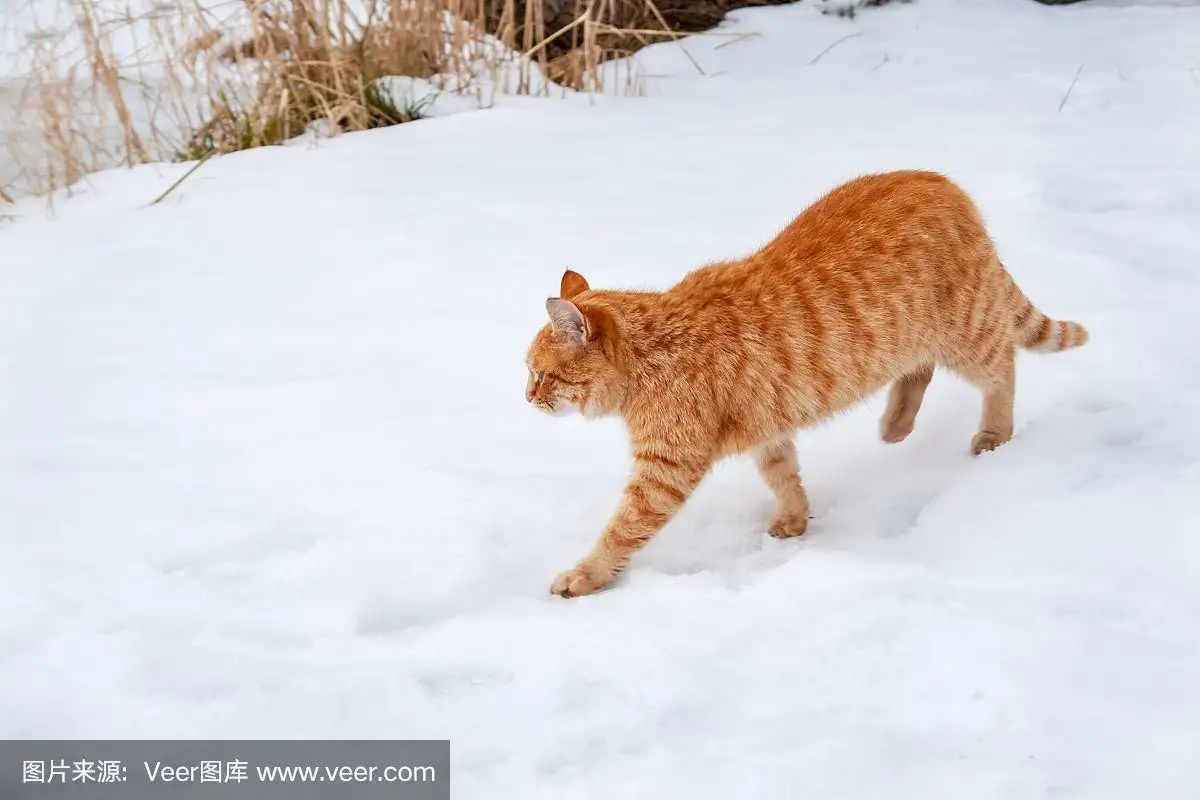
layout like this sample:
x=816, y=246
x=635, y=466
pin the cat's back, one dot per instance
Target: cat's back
x=908, y=241
x=886, y=201
x=891, y=218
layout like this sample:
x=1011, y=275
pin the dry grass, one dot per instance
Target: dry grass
x=187, y=79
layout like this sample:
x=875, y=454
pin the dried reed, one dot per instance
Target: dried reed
x=126, y=85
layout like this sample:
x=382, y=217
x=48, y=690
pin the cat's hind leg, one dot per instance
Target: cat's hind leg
x=904, y=401
x=999, y=388
x=778, y=466
x=993, y=370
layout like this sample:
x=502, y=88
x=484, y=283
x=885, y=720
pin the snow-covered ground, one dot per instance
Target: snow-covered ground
x=266, y=468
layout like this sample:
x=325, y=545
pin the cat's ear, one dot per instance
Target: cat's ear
x=572, y=284
x=567, y=321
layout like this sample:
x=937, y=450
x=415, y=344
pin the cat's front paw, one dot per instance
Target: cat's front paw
x=582, y=580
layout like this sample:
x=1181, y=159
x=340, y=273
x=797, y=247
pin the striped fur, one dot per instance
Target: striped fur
x=877, y=284
x=1039, y=333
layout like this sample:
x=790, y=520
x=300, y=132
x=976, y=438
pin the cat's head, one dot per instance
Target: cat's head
x=572, y=362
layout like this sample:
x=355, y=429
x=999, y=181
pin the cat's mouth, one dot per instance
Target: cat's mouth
x=556, y=409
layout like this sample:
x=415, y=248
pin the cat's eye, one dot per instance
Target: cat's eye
x=538, y=376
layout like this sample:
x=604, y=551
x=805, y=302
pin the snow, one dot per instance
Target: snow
x=266, y=468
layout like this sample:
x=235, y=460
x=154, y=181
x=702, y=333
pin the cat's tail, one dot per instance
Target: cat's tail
x=1037, y=332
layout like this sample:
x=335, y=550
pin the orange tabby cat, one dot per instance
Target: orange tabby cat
x=874, y=284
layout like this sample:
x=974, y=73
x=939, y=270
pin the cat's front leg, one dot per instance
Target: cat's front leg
x=659, y=486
